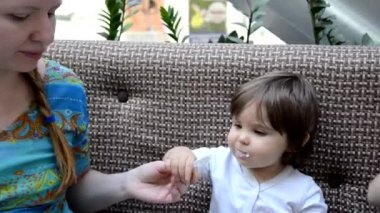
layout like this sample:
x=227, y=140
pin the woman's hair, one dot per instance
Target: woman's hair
x=291, y=105
x=64, y=154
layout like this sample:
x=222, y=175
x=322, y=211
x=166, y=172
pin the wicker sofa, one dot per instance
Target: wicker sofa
x=144, y=98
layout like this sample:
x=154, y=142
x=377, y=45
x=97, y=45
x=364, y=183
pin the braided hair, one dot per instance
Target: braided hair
x=63, y=152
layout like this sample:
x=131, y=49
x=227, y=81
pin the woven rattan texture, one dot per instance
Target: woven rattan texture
x=179, y=95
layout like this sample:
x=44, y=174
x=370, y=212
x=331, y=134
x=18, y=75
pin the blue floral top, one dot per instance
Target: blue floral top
x=29, y=173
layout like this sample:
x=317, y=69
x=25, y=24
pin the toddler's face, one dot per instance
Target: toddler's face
x=254, y=143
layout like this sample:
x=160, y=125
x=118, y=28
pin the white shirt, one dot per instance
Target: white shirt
x=235, y=190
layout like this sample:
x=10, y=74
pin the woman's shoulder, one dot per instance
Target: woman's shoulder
x=54, y=72
x=63, y=88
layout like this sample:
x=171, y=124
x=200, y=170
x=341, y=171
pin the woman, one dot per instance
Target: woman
x=45, y=164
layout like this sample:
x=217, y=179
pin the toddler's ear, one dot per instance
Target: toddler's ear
x=41, y=67
x=306, y=139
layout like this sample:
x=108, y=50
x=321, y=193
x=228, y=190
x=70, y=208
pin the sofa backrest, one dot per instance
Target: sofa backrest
x=145, y=98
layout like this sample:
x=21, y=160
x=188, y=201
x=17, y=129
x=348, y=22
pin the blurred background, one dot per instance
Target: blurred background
x=277, y=21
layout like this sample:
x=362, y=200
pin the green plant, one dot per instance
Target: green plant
x=171, y=21
x=324, y=26
x=255, y=14
x=233, y=37
x=367, y=40
x=115, y=16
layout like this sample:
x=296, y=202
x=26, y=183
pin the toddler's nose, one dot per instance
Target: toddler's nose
x=243, y=139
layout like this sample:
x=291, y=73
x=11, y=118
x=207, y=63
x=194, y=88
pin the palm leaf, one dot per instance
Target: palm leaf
x=171, y=21
x=113, y=17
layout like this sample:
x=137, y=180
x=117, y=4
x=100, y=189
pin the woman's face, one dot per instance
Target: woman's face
x=26, y=29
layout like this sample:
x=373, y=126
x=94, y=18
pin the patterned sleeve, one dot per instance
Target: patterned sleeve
x=81, y=147
x=67, y=98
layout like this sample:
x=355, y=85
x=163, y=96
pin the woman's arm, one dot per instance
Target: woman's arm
x=151, y=182
x=374, y=191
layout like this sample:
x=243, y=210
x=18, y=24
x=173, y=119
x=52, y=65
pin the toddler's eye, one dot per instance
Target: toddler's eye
x=258, y=132
x=237, y=125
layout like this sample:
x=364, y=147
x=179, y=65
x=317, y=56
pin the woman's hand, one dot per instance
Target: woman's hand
x=154, y=183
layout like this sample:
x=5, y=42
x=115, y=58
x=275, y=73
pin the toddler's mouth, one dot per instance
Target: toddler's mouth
x=242, y=154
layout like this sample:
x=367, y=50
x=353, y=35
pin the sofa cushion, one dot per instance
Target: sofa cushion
x=145, y=98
